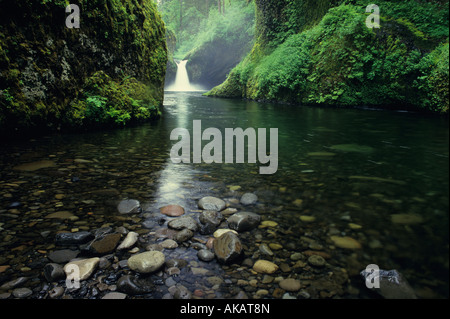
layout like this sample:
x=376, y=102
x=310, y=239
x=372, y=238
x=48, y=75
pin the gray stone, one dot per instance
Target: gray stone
x=181, y=292
x=147, y=262
x=184, y=235
x=22, y=292
x=211, y=203
x=211, y=217
x=243, y=221
x=227, y=247
x=77, y=238
x=392, y=284
x=169, y=244
x=54, y=272
x=133, y=286
x=205, y=255
x=14, y=283
x=129, y=206
x=185, y=222
x=115, y=295
x=316, y=260
x=63, y=256
x=56, y=292
x=129, y=241
x=249, y=199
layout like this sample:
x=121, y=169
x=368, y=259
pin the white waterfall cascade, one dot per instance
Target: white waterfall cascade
x=182, y=83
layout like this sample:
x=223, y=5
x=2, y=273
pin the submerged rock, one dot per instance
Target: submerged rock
x=34, y=166
x=129, y=206
x=249, y=199
x=392, y=284
x=265, y=267
x=77, y=238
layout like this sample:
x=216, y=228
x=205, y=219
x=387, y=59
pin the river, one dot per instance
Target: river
x=378, y=177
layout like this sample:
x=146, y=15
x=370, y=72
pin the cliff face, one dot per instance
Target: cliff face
x=322, y=52
x=110, y=71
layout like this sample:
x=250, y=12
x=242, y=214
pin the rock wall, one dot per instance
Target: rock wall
x=49, y=74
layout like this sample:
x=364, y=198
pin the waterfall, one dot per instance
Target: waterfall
x=182, y=83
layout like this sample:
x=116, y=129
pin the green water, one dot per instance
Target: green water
x=341, y=166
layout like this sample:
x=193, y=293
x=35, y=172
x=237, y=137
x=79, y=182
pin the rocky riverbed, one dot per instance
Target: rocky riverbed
x=221, y=252
x=138, y=226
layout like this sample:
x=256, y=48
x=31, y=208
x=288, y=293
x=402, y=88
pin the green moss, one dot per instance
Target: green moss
x=124, y=40
x=340, y=61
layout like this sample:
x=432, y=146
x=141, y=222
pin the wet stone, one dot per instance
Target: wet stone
x=77, y=238
x=105, y=245
x=54, y=272
x=63, y=256
x=205, y=255
x=22, y=292
x=249, y=199
x=243, y=221
x=227, y=247
x=185, y=222
x=211, y=203
x=172, y=210
x=129, y=206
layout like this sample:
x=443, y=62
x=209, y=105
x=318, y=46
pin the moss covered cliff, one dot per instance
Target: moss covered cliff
x=108, y=72
x=322, y=52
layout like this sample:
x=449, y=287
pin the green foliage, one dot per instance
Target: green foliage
x=110, y=103
x=342, y=62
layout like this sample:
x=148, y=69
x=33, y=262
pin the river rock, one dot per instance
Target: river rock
x=316, y=260
x=211, y=203
x=129, y=206
x=54, y=272
x=147, y=262
x=227, y=247
x=172, y=210
x=34, y=166
x=132, y=286
x=205, y=255
x=346, y=242
x=265, y=267
x=56, y=292
x=211, y=217
x=14, y=283
x=62, y=215
x=22, y=292
x=209, y=220
x=290, y=284
x=243, y=221
x=248, y=199
x=105, y=245
x=169, y=244
x=129, y=241
x=185, y=222
x=220, y=232
x=392, y=284
x=115, y=295
x=86, y=267
x=63, y=256
x=184, y=235
x=265, y=250
x=77, y=238
x=407, y=219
